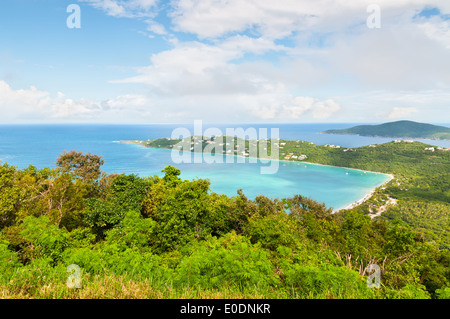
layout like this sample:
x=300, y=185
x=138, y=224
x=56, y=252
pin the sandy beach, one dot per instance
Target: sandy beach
x=366, y=197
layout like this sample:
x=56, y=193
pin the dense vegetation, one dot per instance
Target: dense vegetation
x=163, y=237
x=421, y=187
x=398, y=129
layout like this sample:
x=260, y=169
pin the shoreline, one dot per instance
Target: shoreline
x=415, y=139
x=264, y=158
x=354, y=204
x=366, y=197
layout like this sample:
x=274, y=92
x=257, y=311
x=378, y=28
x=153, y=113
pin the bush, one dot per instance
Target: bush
x=46, y=238
x=273, y=231
x=102, y=215
x=409, y=291
x=326, y=282
x=133, y=231
x=112, y=259
x=443, y=293
x=228, y=261
x=8, y=262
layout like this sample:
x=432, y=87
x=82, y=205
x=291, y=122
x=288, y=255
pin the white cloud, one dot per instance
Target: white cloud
x=380, y=106
x=278, y=19
x=14, y=103
x=271, y=60
x=124, y=8
x=216, y=74
x=35, y=105
x=295, y=108
x=438, y=30
x=156, y=27
x=193, y=68
x=398, y=57
x=402, y=112
x=69, y=108
x=204, y=79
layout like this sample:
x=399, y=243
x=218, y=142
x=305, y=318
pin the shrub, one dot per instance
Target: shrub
x=46, y=238
x=8, y=262
x=133, y=231
x=326, y=282
x=228, y=261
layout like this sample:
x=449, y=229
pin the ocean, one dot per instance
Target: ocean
x=41, y=145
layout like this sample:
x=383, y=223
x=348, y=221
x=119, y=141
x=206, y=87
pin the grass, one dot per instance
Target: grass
x=110, y=286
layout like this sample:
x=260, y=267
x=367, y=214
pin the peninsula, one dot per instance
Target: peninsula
x=421, y=171
x=399, y=129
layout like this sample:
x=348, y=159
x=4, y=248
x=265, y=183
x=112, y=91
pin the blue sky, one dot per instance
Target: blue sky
x=150, y=61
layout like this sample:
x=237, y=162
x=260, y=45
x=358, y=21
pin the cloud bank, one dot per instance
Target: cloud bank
x=265, y=60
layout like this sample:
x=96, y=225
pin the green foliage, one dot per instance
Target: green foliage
x=133, y=231
x=315, y=218
x=126, y=193
x=182, y=214
x=400, y=239
x=102, y=215
x=81, y=237
x=109, y=258
x=410, y=291
x=46, y=238
x=431, y=218
x=272, y=231
x=230, y=260
x=398, y=129
x=326, y=282
x=443, y=293
x=176, y=235
x=356, y=234
x=129, y=191
x=9, y=261
x=83, y=166
x=171, y=175
x=9, y=195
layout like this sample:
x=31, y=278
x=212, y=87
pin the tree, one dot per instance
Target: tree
x=400, y=239
x=132, y=231
x=126, y=193
x=83, y=166
x=315, y=218
x=171, y=175
x=355, y=231
x=102, y=215
x=129, y=191
x=9, y=195
x=182, y=214
x=273, y=230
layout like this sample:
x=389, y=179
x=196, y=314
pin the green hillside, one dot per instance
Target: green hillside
x=406, y=129
x=135, y=237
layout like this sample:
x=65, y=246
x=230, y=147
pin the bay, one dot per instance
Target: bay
x=40, y=145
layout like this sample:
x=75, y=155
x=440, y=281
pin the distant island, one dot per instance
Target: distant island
x=399, y=129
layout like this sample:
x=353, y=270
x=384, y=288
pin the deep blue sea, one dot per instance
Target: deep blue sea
x=40, y=145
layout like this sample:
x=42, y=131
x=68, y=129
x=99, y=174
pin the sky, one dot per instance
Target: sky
x=243, y=61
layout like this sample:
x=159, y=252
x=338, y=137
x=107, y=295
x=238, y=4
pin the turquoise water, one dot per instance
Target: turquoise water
x=40, y=145
x=335, y=186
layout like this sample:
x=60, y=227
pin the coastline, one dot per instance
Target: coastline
x=416, y=139
x=354, y=204
x=366, y=197
x=264, y=158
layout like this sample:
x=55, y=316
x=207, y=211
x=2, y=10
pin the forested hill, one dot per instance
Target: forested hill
x=167, y=238
x=405, y=129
